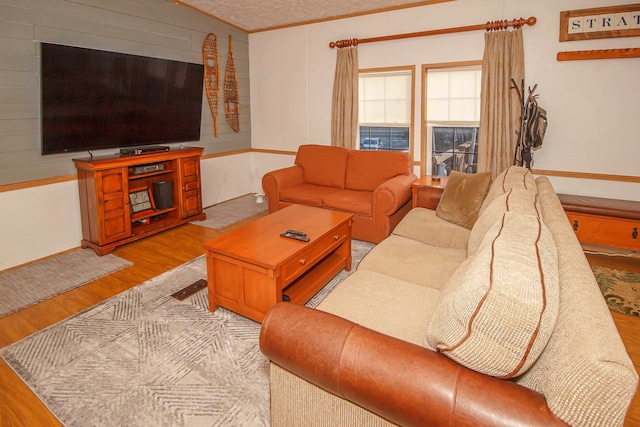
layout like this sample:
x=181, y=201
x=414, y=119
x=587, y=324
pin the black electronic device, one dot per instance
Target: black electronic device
x=163, y=194
x=137, y=170
x=93, y=99
x=295, y=236
x=144, y=150
x=299, y=233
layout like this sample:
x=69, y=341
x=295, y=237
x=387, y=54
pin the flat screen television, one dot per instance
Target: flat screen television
x=94, y=100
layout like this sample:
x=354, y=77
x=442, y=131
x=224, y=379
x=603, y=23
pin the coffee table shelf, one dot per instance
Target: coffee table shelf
x=307, y=285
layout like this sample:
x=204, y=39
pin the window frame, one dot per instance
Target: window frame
x=426, y=148
x=411, y=69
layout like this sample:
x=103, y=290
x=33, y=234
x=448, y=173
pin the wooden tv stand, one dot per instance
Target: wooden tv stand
x=105, y=183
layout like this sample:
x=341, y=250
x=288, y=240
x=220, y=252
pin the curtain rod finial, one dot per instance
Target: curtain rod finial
x=532, y=21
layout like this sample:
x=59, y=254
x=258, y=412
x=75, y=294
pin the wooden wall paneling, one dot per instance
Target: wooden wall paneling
x=142, y=27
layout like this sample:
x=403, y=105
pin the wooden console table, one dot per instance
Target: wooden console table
x=426, y=193
x=108, y=185
x=604, y=222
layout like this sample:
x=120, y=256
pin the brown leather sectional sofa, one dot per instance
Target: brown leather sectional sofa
x=502, y=324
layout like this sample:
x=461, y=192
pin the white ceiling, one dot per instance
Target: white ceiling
x=256, y=15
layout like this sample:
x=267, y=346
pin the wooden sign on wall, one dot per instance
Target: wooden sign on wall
x=600, y=23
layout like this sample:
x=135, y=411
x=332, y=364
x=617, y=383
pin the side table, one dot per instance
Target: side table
x=426, y=193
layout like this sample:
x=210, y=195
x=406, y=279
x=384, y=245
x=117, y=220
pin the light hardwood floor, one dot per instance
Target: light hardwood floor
x=151, y=257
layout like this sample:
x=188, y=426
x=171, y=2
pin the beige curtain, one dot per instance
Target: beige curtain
x=344, y=111
x=499, y=105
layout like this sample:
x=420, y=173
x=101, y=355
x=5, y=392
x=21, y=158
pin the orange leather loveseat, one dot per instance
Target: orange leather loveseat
x=375, y=186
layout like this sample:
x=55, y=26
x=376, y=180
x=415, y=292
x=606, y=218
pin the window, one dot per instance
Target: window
x=453, y=118
x=386, y=109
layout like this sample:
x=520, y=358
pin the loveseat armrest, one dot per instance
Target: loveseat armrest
x=273, y=182
x=400, y=381
x=392, y=194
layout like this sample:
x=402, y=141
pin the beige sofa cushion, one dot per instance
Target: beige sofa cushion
x=514, y=200
x=413, y=261
x=498, y=311
x=512, y=177
x=462, y=198
x=384, y=304
x=424, y=226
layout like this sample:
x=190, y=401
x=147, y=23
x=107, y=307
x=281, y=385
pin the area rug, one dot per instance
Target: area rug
x=27, y=285
x=620, y=288
x=143, y=358
x=226, y=213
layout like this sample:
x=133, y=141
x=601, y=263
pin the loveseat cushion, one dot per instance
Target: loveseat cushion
x=323, y=164
x=306, y=194
x=413, y=261
x=357, y=202
x=512, y=177
x=366, y=170
x=497, y=312
x=462, y=197
x=423, y=225
x=514, y=200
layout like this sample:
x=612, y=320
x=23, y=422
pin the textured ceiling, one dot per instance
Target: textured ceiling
x=256, y=15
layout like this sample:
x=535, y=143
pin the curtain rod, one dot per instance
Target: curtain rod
x=489, y=26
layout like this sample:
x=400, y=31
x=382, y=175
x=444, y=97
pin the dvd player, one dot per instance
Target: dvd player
x=134, y=151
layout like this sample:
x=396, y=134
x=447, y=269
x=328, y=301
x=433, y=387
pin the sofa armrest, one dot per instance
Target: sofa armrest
x=274, y=181
x=400, y=381
x=391, y=195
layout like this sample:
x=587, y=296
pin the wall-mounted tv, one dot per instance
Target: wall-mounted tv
x=94, y=99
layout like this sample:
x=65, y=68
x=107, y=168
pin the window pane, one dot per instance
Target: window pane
x=396, y=112
x=463, y=109
x=372, y=112
x=453, y=84
x=373, y=88
x=385, y=98
x=437, y=85
x=463, y=84
x=454, y=148
x=396, y=87
x=453, y=115
x=384, y=138
x=438, y=109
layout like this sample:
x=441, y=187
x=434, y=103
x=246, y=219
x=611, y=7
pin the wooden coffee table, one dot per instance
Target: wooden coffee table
x=250, y=269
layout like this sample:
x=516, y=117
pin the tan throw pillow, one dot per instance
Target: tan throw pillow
x=497, y=312
x=462, y=198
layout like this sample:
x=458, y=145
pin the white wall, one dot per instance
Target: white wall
x=591, y=105
x=44, y=220
x=39, y=221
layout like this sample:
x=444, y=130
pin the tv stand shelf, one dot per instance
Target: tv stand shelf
x=105, y=183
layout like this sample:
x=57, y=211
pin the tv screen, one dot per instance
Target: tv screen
x=95, y=99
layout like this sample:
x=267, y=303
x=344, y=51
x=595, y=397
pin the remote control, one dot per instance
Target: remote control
x=299, y=233
x=295, y=236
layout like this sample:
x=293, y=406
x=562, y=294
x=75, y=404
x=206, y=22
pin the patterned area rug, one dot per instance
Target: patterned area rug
x=226, y=213
x=27, y=285
x=621, y=289
x=143, y=358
